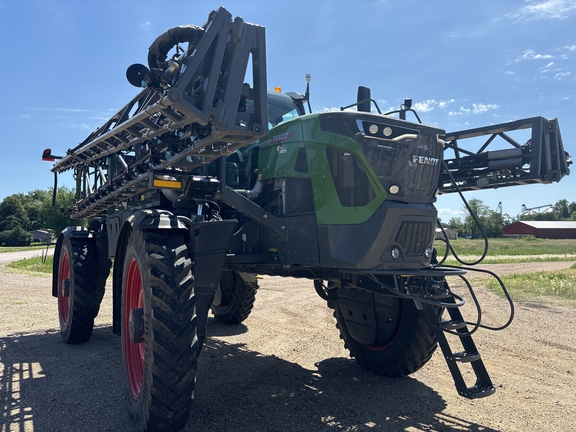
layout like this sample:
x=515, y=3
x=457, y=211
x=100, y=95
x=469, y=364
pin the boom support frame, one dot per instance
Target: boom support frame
x=541, y=159
x=203, y=112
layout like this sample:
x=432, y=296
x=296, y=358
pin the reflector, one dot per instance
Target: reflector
x=136, y=74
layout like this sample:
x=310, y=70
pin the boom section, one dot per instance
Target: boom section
x=541, y=159
x=200, y=110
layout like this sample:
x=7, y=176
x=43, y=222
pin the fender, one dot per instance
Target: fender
x=68, y=232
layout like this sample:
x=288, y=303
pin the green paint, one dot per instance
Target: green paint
x=279, y=151
x=278, y=157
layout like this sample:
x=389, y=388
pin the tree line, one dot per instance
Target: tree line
x=493, y=222
x=22, y=213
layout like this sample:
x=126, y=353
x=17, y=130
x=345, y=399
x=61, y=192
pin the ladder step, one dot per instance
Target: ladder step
x=452, y=324
x=479, y=391
x=470, y=355
x=466, y=357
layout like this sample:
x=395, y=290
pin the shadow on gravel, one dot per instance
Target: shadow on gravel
x=46, y=385
x=242, y=390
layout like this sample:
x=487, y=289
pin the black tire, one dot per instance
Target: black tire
x=80, y=290
x=234, y=299
x=396, y=353
x=160, y=366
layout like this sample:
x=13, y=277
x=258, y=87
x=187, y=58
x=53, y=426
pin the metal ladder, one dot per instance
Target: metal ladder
x=457, y=326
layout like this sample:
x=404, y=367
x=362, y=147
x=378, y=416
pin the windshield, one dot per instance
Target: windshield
x=281, y=107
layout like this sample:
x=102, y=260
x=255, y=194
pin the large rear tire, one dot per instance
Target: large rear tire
x=397, y=352
x=159, y=344
x=234, y=298
x=79, y=293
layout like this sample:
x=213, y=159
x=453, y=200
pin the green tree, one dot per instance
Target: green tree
x=21, y=213
x=13, y=214
x=478, y=209
x=456, y=224
x=34, y=203
x=15, y=237
x=54, y=217
x=561, y=209
x=491, y=221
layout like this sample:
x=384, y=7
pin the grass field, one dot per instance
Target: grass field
x=33, y=266
x=521, y=246
x=37, y=246
x=557, y=285
x=503, y=251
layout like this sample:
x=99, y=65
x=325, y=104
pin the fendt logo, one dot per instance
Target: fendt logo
x=424, y=160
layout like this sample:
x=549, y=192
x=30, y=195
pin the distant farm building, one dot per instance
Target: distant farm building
x=452, y=235
x=541, y=229
x=42, y=236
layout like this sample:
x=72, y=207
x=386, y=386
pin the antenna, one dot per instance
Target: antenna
x=307, y=94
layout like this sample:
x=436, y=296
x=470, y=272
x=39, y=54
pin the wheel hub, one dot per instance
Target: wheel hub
x=136, y=325
x=65, y=288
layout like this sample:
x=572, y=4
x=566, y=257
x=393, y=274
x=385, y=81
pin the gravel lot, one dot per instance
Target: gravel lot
x=286, y=370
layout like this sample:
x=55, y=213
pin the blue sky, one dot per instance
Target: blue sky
x=464, y=64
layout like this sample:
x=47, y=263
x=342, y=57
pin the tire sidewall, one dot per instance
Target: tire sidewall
x=410, y=349
x=65, y=327
x=229, y=278
x=136, y=249
x=234, y=308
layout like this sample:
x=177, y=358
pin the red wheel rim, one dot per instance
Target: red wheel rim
x=134, y=352
x=63, y=275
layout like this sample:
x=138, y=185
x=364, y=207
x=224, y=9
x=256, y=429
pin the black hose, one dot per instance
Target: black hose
x=158, y=51
x=476, y=221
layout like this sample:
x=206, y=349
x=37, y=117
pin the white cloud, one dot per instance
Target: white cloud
x=444, y=104
x=482, y=108
x=145, y=25
x=332, y=109
x=561, y=75
x=509, y=73
x=83, y=126
x=431, y=104
x=461, y=111
x=545, y=10
x=570, y=48
x=477, y=108
x=448, y=213
x=58, y=109
x=531, y=55
x=425, y=106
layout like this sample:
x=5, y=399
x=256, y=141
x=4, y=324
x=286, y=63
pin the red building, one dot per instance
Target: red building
x=541, y=229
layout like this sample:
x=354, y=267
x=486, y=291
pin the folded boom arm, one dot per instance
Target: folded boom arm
x=197, y=110
x=541, y=159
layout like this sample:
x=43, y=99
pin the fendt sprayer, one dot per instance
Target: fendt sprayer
x=202, y=181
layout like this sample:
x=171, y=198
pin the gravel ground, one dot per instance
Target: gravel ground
x=285, y=369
